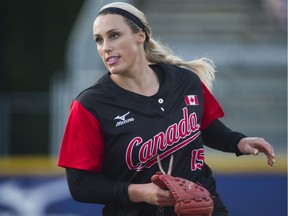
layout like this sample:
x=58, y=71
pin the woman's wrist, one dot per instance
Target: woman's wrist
x=134, y=193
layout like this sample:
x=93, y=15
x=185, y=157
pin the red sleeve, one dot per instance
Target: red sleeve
x=82, y=146
x=212, y=109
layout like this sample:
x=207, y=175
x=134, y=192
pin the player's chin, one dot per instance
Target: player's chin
x=116, y=69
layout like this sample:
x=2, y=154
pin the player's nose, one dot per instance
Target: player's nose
x=106, y=46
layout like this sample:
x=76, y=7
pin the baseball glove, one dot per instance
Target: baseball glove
x=192, y=199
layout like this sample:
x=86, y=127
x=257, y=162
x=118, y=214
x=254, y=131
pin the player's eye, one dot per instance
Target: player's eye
x=114, y=36
x=98, y=40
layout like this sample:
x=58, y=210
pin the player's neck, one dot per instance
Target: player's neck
x=144, y=82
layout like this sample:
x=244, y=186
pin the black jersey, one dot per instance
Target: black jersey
x=119, y=133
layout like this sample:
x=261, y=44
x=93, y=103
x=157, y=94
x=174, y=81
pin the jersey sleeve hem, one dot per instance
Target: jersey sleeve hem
x=212, y=109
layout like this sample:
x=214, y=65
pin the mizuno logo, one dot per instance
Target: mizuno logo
x=123, y=119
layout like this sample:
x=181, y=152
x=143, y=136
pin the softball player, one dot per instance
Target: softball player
x=149, y=103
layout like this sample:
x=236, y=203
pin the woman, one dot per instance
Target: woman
x=149, y=103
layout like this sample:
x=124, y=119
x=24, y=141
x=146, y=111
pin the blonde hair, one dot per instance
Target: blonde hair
x=157, y=52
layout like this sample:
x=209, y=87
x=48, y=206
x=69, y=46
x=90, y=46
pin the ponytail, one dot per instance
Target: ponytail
x=159, y=53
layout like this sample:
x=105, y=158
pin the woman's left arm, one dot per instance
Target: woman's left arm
x=254, y=145
x=218, y=136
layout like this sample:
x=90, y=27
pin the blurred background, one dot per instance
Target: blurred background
x=47, y=56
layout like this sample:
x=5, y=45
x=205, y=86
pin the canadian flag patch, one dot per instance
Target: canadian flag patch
x=191, y=100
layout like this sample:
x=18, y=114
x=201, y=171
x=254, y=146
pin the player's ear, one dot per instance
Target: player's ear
x=141, y=37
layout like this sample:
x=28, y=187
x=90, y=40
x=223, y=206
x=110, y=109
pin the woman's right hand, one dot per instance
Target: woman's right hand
x=150, y=193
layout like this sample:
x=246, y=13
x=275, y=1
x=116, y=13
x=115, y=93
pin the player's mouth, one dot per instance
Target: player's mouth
x=112, y=60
